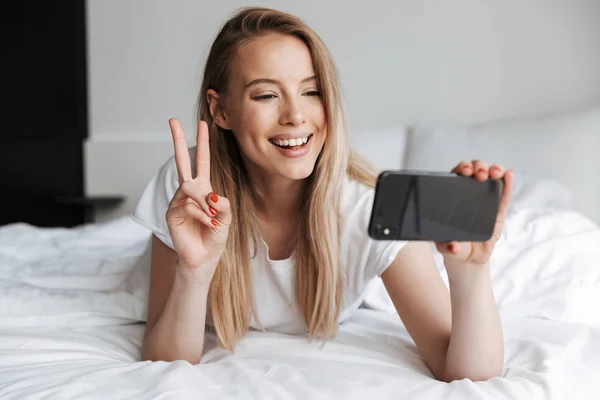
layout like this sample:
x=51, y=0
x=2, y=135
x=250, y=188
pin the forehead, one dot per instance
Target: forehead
x=285, y=58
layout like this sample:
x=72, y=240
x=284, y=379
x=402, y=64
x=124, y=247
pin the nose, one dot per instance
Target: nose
x=292, y=113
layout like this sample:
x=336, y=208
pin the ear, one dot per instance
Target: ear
x=217, y=111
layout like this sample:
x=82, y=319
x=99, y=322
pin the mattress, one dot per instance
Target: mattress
x=73, y=302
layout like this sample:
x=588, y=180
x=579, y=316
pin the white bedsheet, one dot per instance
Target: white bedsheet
x=70, y=307
x=373, y=357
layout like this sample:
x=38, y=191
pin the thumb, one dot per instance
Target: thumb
x=454, y=250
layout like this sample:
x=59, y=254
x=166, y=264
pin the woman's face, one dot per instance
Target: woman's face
x=274, y=107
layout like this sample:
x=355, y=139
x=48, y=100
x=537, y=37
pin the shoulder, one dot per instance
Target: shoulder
x=355, y=197
x=366, y=257
x=356, y=203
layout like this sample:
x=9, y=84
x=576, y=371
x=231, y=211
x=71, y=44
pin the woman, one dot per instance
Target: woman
x=267, y=229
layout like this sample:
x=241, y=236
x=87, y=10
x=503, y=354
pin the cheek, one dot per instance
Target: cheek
x=251, y=123
x=252, y=117
x=320, y=117
x=245, y=118
x=256, y=116
x=251, y=127
x=317, y=110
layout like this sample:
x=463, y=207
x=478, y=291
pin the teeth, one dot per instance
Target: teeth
x=291, y=142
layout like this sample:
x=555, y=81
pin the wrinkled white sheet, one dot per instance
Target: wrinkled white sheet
x=373, y=357
x=70, y=301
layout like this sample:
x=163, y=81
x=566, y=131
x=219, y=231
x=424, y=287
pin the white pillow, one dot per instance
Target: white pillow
x=545, y=265
x=563, y=147
x=536, y=192
x=384, y=148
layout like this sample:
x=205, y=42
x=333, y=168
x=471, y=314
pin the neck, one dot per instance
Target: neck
x=277, y=197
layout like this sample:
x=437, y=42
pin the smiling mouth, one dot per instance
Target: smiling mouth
x=292, y=143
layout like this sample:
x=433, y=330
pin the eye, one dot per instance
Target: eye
x=313, y=93
x=264, y=97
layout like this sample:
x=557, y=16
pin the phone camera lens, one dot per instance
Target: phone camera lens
x=387, y=231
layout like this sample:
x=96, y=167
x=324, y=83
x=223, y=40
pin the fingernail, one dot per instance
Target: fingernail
x=452, y=248
x=214, y=198
x=481, y=170
x=214, y=222
x=212, y=210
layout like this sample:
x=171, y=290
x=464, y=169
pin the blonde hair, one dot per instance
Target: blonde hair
x=318, y=277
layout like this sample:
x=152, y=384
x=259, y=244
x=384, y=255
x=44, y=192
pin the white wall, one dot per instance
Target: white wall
x=460, y=61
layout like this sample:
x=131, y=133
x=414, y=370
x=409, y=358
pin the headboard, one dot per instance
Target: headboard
x=44, y=114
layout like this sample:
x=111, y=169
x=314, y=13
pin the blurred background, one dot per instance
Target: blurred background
x=91, y=84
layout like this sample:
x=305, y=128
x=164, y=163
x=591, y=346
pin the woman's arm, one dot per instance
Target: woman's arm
x=476, y=347
x=176, y=309
x=458, y=333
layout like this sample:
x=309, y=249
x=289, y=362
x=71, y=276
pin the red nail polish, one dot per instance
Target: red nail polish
x=214, y=198
x=214, y=222
x=451, y=248
x=212, y=210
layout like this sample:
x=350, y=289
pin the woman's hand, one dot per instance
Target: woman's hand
x=480, y=252
x=198, y=219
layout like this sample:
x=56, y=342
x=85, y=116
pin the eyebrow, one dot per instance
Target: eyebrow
x=276, y=82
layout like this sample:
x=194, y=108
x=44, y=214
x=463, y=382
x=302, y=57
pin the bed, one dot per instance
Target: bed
x=73, y=300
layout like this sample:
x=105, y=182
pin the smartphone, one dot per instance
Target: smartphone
x=434, y=206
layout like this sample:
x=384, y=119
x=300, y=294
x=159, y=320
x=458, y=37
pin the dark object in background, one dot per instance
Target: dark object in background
x=43, y=117
x=434, y=206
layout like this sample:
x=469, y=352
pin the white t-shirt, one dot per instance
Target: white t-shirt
x=362, y=258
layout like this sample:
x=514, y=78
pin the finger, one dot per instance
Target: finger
x=480, y=170
x=496, y=171
x=191, y=210
x=456, y=250
x=178, y=198
x=202, y=152
x=506, y=194
x=451, y=249
x=464, y=168
x=197, y=213
x=182, y=155
x=221, y=205
x=457, y=169
x=195, y=192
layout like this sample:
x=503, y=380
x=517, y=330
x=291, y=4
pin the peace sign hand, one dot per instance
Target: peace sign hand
x=198, y=219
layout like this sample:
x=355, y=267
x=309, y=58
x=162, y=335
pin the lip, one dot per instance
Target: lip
x=302, y=151
x=289, y=136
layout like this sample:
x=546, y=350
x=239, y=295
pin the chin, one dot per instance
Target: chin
x=298, y=172
x=295, y=166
